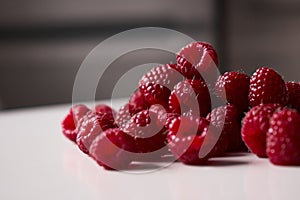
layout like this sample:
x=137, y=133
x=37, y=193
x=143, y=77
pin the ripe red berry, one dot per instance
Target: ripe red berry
x=111, y=149
x=123, y=116
x=159, y=111
x=293, y=89
x=69, y=123
x=102, y=108
x=148, y=134
x=88, y=129
x=156, y=85
x=283, y=138
x=196, y=59
x=267, y=86
x=186, y=139
x=163, y=116
x=234, y=87
x=91, y=125
x=106, y=116
x=137, y=103
x=228, y=118
x=190, y=95
x=167, y=118
x=255, y=127
x=227, y=122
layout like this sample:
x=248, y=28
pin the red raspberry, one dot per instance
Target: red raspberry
x=227, y=123
x=91, y=125
x=195, y=59
x=123, y=116
x=137, y=103
x=149, y=135
x=102, y=108
x=156, y=85
x=232, y=126
x=163, y=117
x=106, y=116
x=167, y=118
x=267, y=86
x=186, y=139
x=255, y=127
x=283, y=138
x=190, y=96
x=88, y=129
x=110, y=149
x=234, y=87
x=294, y=95
x=70, y=121
x=228, y=119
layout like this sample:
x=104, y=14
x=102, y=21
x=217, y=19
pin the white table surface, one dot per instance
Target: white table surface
x=38, y=162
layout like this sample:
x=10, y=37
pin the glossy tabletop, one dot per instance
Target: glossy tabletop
x=38, y=162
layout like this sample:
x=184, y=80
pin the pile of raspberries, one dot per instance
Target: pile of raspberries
x=176, y=108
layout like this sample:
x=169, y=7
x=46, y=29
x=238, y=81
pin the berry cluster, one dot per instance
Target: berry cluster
x=194, y=113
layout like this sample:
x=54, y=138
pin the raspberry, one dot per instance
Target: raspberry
x=233, y=127
x=167, y=118
x=88, y=130
x=137, y=103
x=163, y=117
x=190, y=95
x=283, y=138
x=255, y=127
x=106, y=116
x=110, y=149
x=234, y=87
x=156, y=85
x=294, y=95
x=186, y=139
x=267, y=86
x=229, y=118
x=91, y=125
x=149, y=135
x=195, y=59
x=104, y=109
x=226, y=121
x=70, y=121
x=123, y=116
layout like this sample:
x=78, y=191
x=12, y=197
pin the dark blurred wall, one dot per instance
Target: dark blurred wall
x=43, y=42
x=264, y=33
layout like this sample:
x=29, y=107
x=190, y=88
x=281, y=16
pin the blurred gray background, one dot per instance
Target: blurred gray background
x=43, y=42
